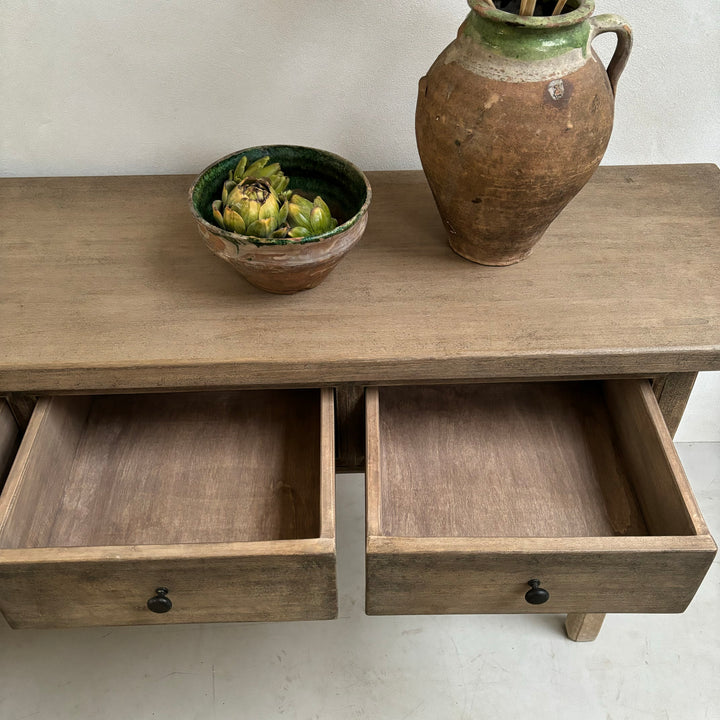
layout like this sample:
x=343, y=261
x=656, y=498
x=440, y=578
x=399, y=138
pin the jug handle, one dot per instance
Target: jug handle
x=615, y=24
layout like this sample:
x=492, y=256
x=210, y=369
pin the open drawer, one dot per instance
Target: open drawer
x=225, y=500
x=475, y=490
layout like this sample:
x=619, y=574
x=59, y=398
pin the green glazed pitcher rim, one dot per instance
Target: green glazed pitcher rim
x=583, y=11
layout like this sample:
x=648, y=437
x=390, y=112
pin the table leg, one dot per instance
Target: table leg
x=673, y=392
x=583, y=627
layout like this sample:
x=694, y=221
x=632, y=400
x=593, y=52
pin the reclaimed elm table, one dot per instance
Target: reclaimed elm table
x=181, y=429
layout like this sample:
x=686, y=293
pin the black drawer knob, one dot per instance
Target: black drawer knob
x=536, y=595
x=161, y=603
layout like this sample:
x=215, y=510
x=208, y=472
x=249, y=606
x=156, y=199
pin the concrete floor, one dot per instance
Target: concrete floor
x=663, y=667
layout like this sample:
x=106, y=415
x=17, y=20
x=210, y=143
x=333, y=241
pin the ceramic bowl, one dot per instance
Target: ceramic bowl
x=287, y=266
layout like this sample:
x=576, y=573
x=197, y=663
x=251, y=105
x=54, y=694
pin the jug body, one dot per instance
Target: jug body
x=512, y=120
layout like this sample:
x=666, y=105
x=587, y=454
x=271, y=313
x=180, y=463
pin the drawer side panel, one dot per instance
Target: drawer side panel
x=9, y=439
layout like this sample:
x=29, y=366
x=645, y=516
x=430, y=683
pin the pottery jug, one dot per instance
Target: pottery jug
x=512, y=120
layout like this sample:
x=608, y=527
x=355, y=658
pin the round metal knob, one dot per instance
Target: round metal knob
x=160, y=603
x=536, y=595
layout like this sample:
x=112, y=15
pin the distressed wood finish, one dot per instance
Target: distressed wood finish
x=131, y=298
x=474, y=490
x=510, y=460
x=133, y=303
x=169, y=469
x=434, y=576
x=240, y=582
x=668, y=504
x=226, y=499
x=9, y=438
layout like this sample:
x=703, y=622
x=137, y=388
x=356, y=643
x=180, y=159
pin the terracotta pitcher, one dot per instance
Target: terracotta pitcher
x=512, y=120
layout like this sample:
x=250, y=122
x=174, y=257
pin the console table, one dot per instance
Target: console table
x=181, y=429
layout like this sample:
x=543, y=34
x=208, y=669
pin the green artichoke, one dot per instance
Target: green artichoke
x=261, y=169
x=309, y=218
x=252, y=207
x=256, y=202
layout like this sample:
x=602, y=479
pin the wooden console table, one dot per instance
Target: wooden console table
x=179, y=463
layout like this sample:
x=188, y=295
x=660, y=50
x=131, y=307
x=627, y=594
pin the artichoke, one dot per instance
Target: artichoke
x=256, y=202
x=261, y=169
x=309, y=218
x=252, y=207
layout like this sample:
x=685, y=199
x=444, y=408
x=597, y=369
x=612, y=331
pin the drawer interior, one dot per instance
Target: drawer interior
x=9, y=438
x=564, y=459
x=164, y=469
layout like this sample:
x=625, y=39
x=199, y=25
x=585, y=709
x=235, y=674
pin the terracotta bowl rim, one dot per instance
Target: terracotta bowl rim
x=238, y=239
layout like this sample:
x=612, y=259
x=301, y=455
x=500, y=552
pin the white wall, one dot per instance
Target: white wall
x=166, y=86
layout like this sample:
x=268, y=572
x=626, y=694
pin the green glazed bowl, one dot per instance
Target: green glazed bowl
x=282, y=265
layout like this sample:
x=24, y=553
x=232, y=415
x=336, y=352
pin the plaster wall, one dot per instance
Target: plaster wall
x=166, y=86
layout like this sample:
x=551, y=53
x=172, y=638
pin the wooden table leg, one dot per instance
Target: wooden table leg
x=583, y=627
x=673, y=392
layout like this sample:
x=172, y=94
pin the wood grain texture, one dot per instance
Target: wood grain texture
x=166, y=469
x=350, y=423
x=474, y=490
x=9, y=439
x=668, y=504
x=373, y=477
x=584, y=627
x=241, y=582
x=327, y=463
x=513, y=460
x=672, y=393
x=433, y=576
x=227, y=499
x=35, y=484
x=131, y=298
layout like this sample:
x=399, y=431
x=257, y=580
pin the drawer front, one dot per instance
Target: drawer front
x=474, y=491
x=212, y=585
x=419, y=580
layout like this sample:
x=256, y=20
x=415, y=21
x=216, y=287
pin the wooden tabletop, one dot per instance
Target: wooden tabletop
x=106, y=284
